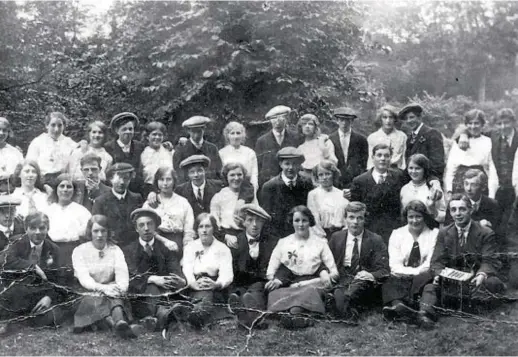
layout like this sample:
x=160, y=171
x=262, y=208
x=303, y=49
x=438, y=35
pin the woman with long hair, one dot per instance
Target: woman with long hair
x=30, y=190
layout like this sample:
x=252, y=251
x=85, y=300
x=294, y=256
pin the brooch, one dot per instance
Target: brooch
x=101, y=254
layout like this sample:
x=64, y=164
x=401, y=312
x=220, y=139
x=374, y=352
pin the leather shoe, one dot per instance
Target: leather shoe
x=424, y=321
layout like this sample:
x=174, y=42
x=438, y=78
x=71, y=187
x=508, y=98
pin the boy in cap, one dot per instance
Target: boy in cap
x=197, y=145
x=154, y=269
x=270, y=143
x=351, y=148
x=119, y=202
x=10, y=225
x=285, y=191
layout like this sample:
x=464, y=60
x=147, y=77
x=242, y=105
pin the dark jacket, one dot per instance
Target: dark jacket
x=118, y=213
x=357, y=156
x=141, y=266
x=373, y=253
x=429, y=143
x=382, y=201
x=266, y=150
x=132, y=158
x=489, y=210
x=211, y=188
x=504, y=174
x=85, y=198
x=278, y=199
x=478, y=254
x=208, y=149
x=18, y=229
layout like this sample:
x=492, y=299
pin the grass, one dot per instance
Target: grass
x=494, y=333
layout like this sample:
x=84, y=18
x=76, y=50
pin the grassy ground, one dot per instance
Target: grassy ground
x=494, y=333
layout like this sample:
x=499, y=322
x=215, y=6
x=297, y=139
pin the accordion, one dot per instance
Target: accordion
x=456, y=275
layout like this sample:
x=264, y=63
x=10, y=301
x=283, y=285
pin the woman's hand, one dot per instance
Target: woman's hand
x=273, y=284
x=206, y=283
x=325, y=278
x=111, y=290
x=231, y=241
x=153, y=200
x=40, y=273
x=42, y=305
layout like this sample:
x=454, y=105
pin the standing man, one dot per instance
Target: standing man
x=422, y=139
x=361, y=258
x=154, y=270
x=197, y=145
x=379, y=189
x=285, y=191
x=351, y=148
x=91, y=187
x=269, y=144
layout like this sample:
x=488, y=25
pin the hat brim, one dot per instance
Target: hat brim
x=417, y=109
x=298, y=158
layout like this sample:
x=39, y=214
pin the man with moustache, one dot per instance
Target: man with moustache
x=92, y=187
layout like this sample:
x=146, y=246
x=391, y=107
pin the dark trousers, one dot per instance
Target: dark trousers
x=406, y=289
x=351, y=292
x=256, y=290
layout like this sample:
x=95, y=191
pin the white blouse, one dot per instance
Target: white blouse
x=223, y=207
x=11, y=157
x=396, y=140
x=215, y=260
x=151, y=160
x=74, y=163
x=317, y=150
x=302, y=257
x=177, y=216
x=411, y=192
x=328, y=207
x=93, y=270
x=51, y=155
x=400, y=246
x=478, y=153
x=40, y=201
x=245, y=156
x=67, y=224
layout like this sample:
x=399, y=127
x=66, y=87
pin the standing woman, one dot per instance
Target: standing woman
x=235, y=151
x=226, y=204
x=101, y=270
x=420, y=189
x=11, y=156
x=30, y=191
x=316, y=146
x=67, y=219
x=389, y=135
x=51, y=150
x=174, y=210
x=154, y=155
x=97, y=135
x=326, y=202
x=300, y=267
x=477, y=156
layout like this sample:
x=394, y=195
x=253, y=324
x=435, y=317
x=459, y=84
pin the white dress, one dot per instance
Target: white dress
x=151, y=160
x=245, y=156
x=51, y=155
x=223, y=207
x=40, y=201
x=411, y=192
x=10, y=157
x=328, y=207
x=316, y=150
x=67, y=224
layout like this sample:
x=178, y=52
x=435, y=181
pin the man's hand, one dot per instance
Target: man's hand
x=364, y=275
x=169, y=244
x=347, y=193
x=436, y=280
x=42, y=305
x=273, y=284
x=435, y=191
x=83, y=145
x=168, y=145
x=40, y=273
x=485, y=223
x=153, y=200
x=166, y=282
x=231, y=241
x=91, y=184
x=478, y=280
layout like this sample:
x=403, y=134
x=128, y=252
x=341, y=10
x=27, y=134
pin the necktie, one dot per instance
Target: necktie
x=200, y=197
x=475, y=207
x=462, y=239
x=34, y=258
x=252, y=241
x=414, y=260
x=148, y=249
x=381, y=179
x=355, y=259
x=504, y=142
x=413, y=137
x=291, y=184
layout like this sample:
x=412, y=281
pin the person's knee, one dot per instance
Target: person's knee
x=494, y=285
x=152, y=289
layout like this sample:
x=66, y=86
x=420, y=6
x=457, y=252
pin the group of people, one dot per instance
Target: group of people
x=145, y=233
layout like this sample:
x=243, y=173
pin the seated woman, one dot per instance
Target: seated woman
x=97, y=136
x=390, y=135
x=316, y=146
x=174, y=210
x=410, y=252
x=11, y=156
x=226, y=204
x=101, y=270
x=326, y=202
x=154, y=155
x=30, y=191
x=207, y=267
x=52, y=149
x=236, y=151
x=477, y=156
x=420, y=189
x=300, y=267
x=68, y=219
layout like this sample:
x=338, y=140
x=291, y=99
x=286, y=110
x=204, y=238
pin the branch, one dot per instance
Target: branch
x=40, y=78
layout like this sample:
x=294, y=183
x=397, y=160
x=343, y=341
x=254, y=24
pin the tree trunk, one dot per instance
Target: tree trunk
x=482, y=86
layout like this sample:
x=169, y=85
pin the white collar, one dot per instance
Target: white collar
x=466, y=229
x=37, y=246
x=418, y=128
x=359, y=237
x=195, y=188
x=287, y=180
x=143, y=242
x=277, y=134
x=55, y=140
x=376, y=173
x=4, y=229
x=118, y=195
x=248, y=237
x=122, y=145
x=197, y=145
x=347, y=133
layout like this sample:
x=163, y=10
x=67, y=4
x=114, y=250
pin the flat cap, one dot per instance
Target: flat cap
x=120, y=167
x=345, y=112
x=195, y=159
x=255, y=210
x=196, y=121
x=278, y=110
x=8, y=201
x=118, y=119
x=410, y=108
x=289, y=152
x=145, y=212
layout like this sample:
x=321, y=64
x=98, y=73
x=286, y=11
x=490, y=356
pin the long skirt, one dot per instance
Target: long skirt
x=95, y=308
x=309, y=298
x=458, y=179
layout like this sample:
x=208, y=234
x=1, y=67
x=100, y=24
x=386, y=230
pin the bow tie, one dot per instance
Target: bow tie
x=252, y=241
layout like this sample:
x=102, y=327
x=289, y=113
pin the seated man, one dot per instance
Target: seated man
x=153, y=268
x=10, y=225
x=30, y=271
x=362, y=261
x=465, y=246
x=250, y=261
x=91, y=187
